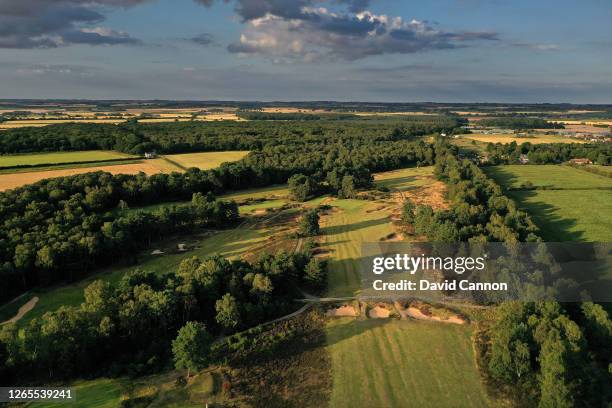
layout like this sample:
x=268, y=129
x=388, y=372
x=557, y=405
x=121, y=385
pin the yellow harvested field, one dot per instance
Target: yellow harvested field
x=207, y=160
x=509, y=138
x=9, y=181
x=586, y=122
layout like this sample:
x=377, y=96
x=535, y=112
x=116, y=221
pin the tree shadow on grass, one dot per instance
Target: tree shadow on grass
x=338, y=229
x=553, y=228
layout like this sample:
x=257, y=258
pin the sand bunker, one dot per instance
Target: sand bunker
x=344, y=310
x=416, y=313
x=379, y=312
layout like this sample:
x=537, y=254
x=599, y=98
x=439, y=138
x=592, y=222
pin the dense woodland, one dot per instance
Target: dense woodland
x=137, y=320
x=179, y=137
x=498, y=153
x=520, y=123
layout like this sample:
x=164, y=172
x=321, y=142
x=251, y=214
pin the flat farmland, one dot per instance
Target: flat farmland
x=206, y=160
x=36, y=159
x=568, y=204
x=9, y=181
x=509, y=138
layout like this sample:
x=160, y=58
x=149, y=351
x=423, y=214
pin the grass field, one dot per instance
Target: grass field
x=206, y=160
x=550, y=176
x=578, y=209
x=509, y=138
x=404, y=179
x=60, y=157
x=154, y=166
x=402, y=363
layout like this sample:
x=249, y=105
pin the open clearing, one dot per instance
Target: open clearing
x=207, y=160
x=154, y=166
x=35, y=159
x=509, y=138
x=577, y=206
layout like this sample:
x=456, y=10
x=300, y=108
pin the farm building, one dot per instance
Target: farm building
x=150, y=155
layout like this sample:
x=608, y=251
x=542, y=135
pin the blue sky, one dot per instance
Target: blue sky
x=367, y=50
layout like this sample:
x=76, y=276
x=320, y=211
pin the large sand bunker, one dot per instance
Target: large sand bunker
x=344, y=310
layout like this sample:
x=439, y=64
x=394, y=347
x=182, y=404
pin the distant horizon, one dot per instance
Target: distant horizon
x=313, y=101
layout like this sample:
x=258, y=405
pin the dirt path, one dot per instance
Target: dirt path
x=23, y=310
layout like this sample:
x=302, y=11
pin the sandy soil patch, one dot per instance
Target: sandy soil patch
x=344, y=310
x=379, y=312
x=413, y=311
x=23, y=310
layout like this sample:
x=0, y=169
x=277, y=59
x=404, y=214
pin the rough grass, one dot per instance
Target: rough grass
x=207, y=160
x=404, y=179
x=99, y=393
x=571, y=204
x=60, y=157
x=395, y=363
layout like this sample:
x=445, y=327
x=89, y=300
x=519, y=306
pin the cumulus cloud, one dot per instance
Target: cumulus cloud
x=55, y=23
x=315, y=33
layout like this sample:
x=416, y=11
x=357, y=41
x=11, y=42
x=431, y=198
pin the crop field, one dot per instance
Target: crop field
x=509, y=138
x=36, y=159
x=207, y=160
x=576, y=206
x=386, y=364
x=154, y=166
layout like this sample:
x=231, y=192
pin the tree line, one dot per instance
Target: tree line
x=520, y=123
x=479, y=212
x=179, y=137
x=498, y=153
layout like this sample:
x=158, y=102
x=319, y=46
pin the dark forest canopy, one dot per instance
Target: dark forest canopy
x=520, y=123
x=178, y=137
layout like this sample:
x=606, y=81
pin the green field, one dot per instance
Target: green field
x=403, y=363
x=574, y=205
x=37, y=159
x=549, y=176
x=206, y=160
